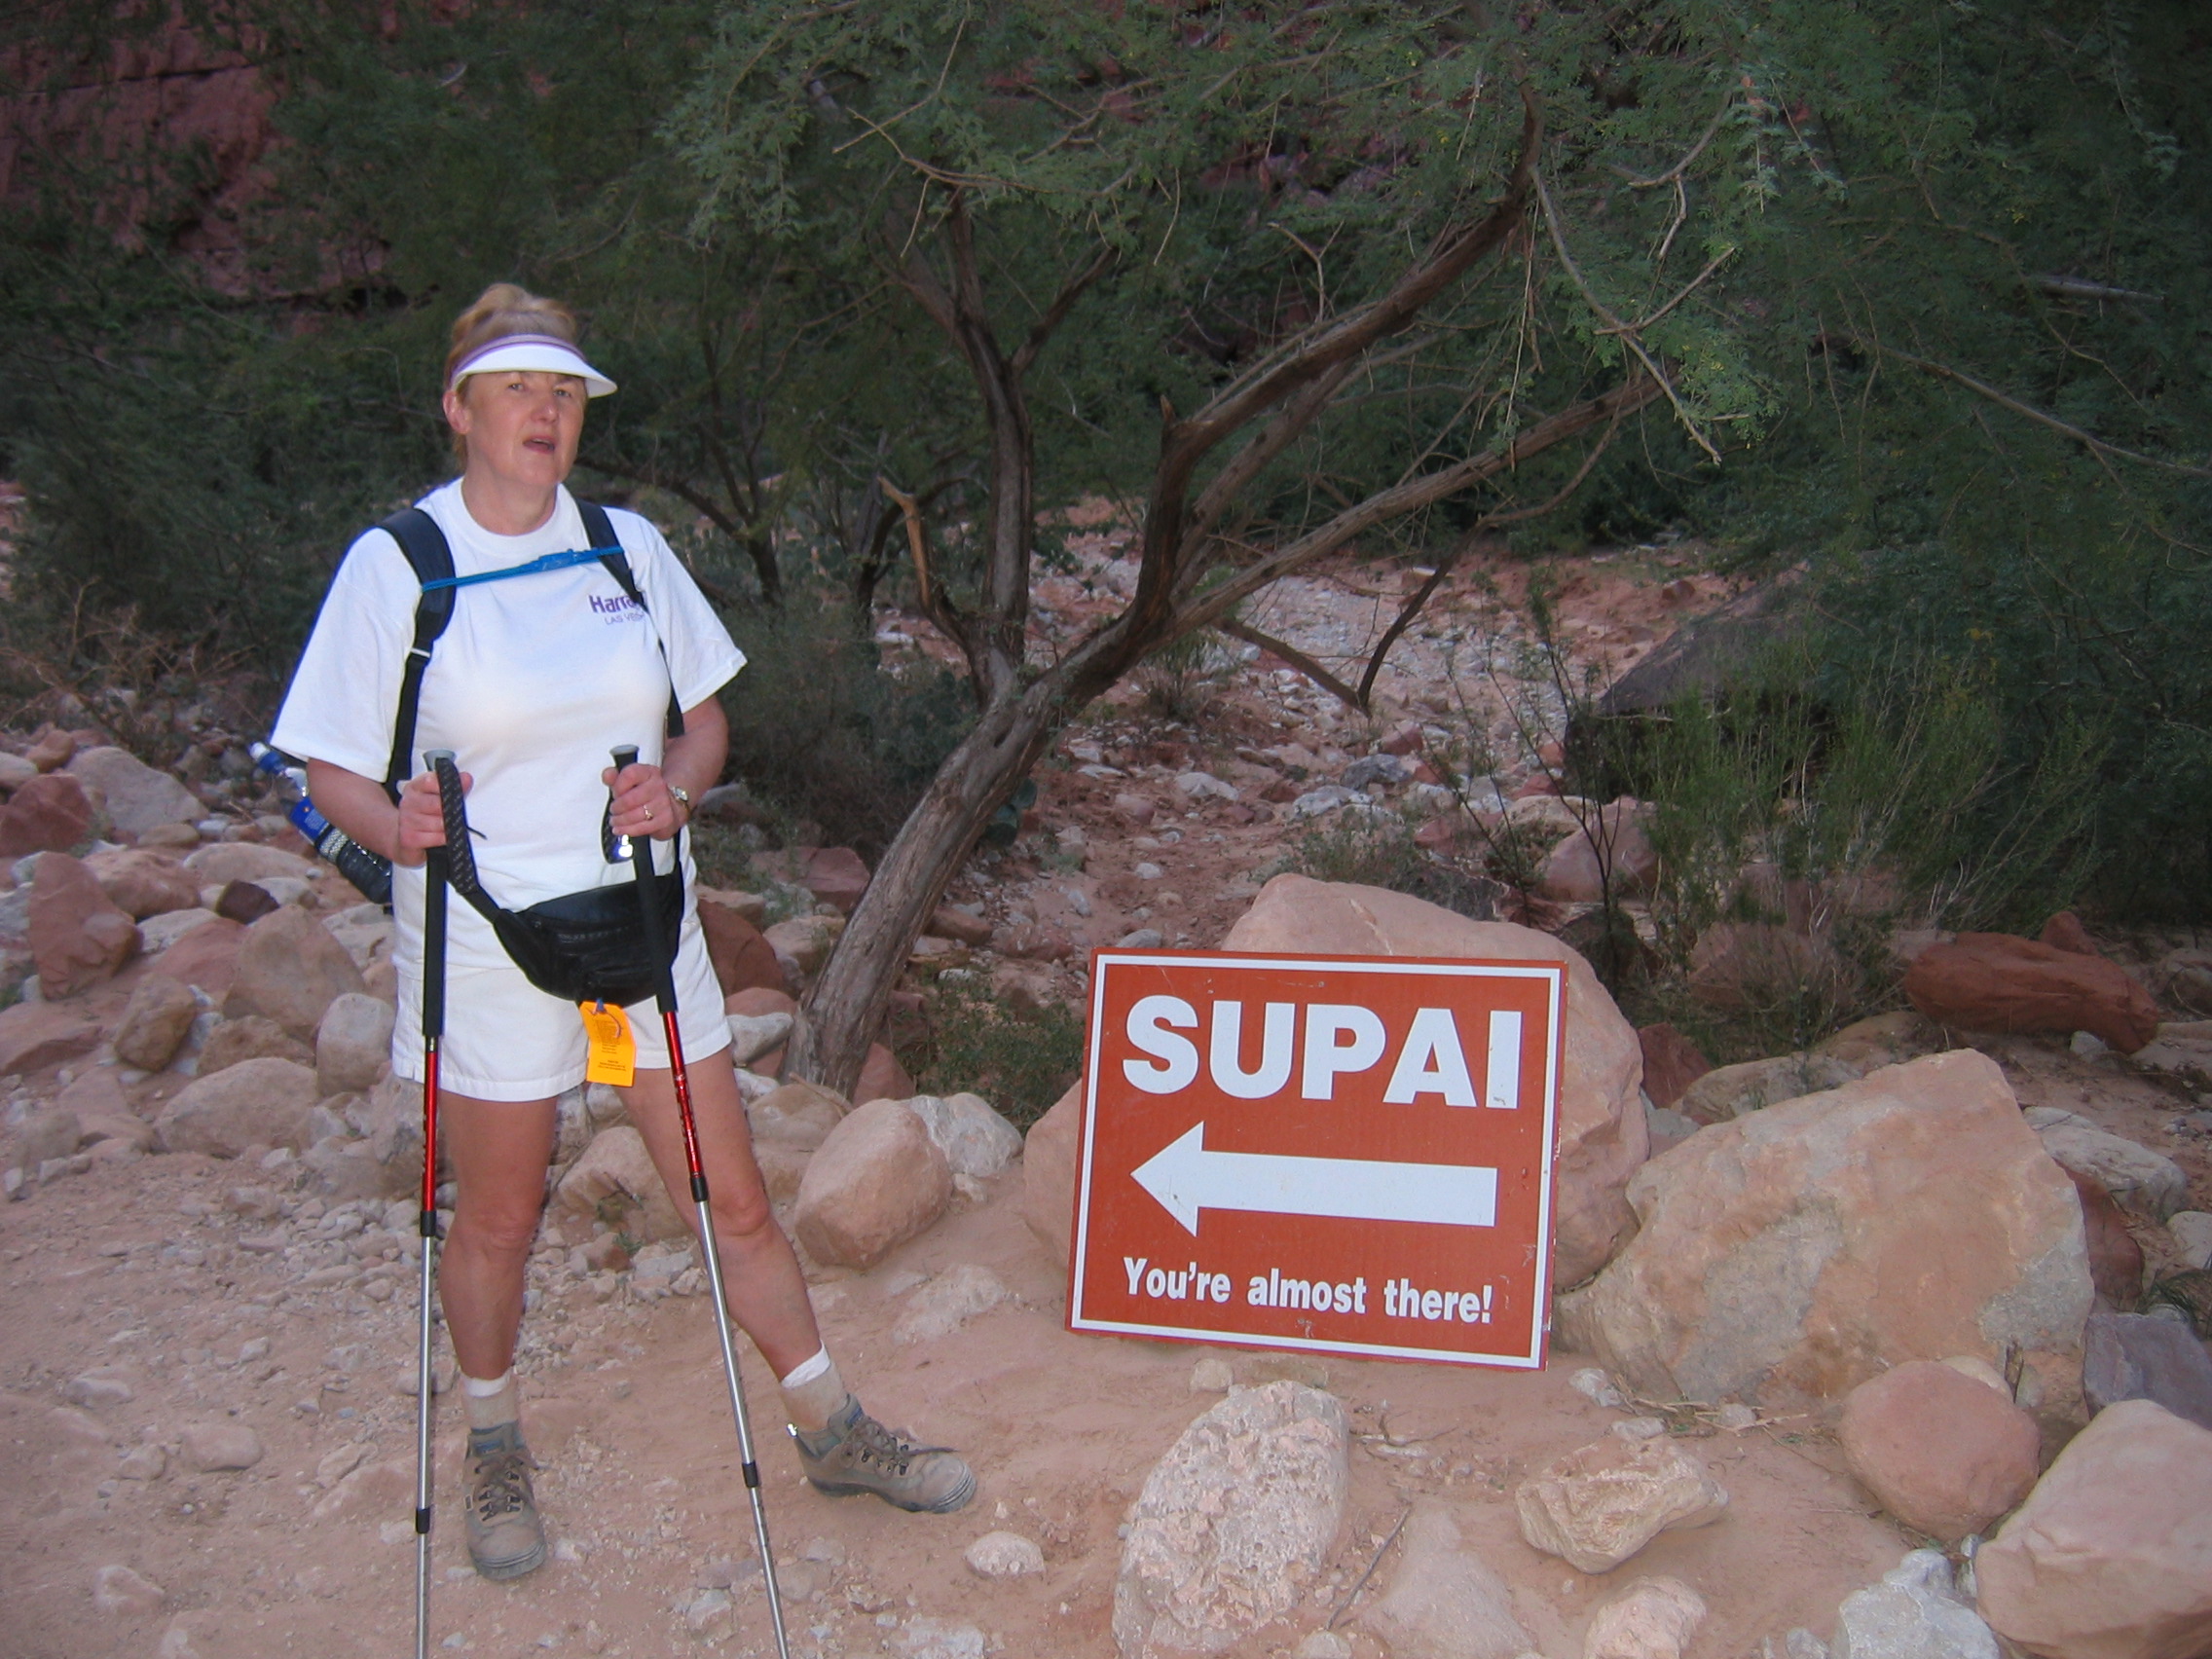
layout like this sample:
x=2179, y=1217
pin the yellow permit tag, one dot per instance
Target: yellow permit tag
x=613, y=1053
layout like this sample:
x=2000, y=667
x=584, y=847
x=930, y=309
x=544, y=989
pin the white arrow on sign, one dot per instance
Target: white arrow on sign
x=1186, y=1178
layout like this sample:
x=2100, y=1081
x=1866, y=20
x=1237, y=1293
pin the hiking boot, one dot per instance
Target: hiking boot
x=505, y=1538
x=856, y=1454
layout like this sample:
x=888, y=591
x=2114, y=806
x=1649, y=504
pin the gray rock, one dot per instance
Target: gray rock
x=1653, y=1618
x=103, y=1385
x=138, y=797
x=1376, y=769
x=156, y=933
x=1143, y=938
x=1599, y=1506
x=214, y=1448
x=155, y=1022
x=1443, y=1601
x=752, y=1035
x=2130, y=1356
x=245, y=861
x=1735, y=1091
x=2192, y=1232
x=365, y=930
x=974, y=1138
x=51, y=1131
x=1913, y=1613
x=1327, y=799
x=948, y=1302
x=2142, y=1181
x=352, y=1044
x=117, y=1589
x=1232, y=1523
x=1204, y=786
x=259, y=1102
x=925, y=1638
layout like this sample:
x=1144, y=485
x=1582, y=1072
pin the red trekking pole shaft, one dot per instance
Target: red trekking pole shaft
x=661, y=950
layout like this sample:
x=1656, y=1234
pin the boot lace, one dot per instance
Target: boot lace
x=872, y=1443
x=501, y=1484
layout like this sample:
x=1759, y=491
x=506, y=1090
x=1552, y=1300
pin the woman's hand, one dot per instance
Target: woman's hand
x=421, y=818
x=643, y=805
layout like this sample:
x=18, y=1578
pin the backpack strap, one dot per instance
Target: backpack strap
x=599, y=530
x=424, y=544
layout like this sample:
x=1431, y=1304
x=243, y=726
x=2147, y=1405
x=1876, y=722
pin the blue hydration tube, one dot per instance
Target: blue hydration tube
x=550, y=561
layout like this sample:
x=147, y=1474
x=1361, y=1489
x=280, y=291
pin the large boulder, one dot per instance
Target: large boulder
x=1597, y=1506
x=155, y=1022
x=2132, y=1356
x=226, y=862
x=1232, y=1523
x=742, y=959
x=1443, y=1601
x=138, y=797
x=254, y=1103
x=1603, y=1135
x=2147, y=1182
x=289, y=970
x=1999, y=983
x=47, y=815
x=144, y=882
x=352, y=1043
x=79, y=936
x=1787, y=1257
x=875, y=1181
x=41, y=1034
x=1941, y=1451
x=2111, y=1557
x=206, y=956
x=1048, y=1174
x=614, y=1177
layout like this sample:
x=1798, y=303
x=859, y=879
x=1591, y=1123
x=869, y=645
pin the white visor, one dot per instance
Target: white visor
x=544, y=354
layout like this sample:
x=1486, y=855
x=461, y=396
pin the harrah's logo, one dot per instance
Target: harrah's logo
x=621, y=605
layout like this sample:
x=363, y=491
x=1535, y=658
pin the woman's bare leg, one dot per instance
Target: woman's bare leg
x=500, y=1151
x=766, y=1291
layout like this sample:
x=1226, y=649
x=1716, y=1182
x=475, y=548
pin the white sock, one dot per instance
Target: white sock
x=812, y=1392
x=491, y=1402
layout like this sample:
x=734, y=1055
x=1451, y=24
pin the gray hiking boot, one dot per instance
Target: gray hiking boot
x=505, y=1538
x=856, y=1454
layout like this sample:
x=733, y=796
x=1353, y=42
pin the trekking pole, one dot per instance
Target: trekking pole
x=662, y=952
x=440, y=761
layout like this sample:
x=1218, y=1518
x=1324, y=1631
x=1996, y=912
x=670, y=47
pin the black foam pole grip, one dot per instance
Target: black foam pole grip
x=452, y=805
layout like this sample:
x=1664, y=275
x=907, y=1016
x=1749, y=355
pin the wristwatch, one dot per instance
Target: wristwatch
x=683, y=799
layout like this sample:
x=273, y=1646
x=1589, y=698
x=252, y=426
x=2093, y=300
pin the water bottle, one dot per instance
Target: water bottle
x=367, y=871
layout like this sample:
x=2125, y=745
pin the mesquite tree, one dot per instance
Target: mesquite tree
x=1262, y=223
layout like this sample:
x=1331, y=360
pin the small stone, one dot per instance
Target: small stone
x=1594, y=1385
x=1004, y=1555
x=709, y=1616
x=117, y=1589
x=1211, y=1375
x=752, y=1036
x=1653, y=1618
x=1443, y=1601
x=147, y=1463
x=104, y=1386
x=975, y=1139
x=1939, y=1450
x=352, y=1044
x=1143, y=938
x=1639, y=1428
x=211, y=1448
x=1597, y=1506
x=1322, y=1645
x=948, y=1302
x=155, y=1022
x=2192, y=1234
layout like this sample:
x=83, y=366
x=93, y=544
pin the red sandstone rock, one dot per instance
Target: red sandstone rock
x=36, y=1035
x=882, y=1077
x=1999, y=983
x=947, y=923
x=756, y=1000
x=875, y=1182
x=836, y=876
x=2065, y=932
x=207, y=957
x=2116, y=1260
x=144, y=883
x=741, y=955
x=79, y=936
x=1672, y=1062
x=49, y=814
x=1943, y=1453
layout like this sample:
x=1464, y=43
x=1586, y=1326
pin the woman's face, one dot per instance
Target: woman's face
x=520, y=425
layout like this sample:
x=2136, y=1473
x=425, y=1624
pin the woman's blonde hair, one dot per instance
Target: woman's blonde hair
x=501, y=310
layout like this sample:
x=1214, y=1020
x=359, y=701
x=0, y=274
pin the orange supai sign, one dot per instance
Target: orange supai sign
x=1344, y=1156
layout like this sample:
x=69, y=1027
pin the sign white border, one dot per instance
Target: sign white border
x=1553, y=1036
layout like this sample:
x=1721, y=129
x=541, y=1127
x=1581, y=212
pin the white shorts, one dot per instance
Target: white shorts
x=507, y=1039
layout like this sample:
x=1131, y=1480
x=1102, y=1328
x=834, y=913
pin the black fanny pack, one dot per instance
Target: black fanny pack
x=582, y=947
x=587, y=946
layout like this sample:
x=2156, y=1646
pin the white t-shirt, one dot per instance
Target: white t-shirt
x=534, y=680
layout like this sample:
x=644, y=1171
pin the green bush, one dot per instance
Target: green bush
x=823, y=732
x=1021, y=1060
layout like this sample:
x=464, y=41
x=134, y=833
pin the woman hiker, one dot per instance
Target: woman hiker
x=533, y=680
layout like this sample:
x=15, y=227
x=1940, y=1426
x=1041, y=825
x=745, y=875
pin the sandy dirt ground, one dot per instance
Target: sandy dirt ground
x=193, y=1303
